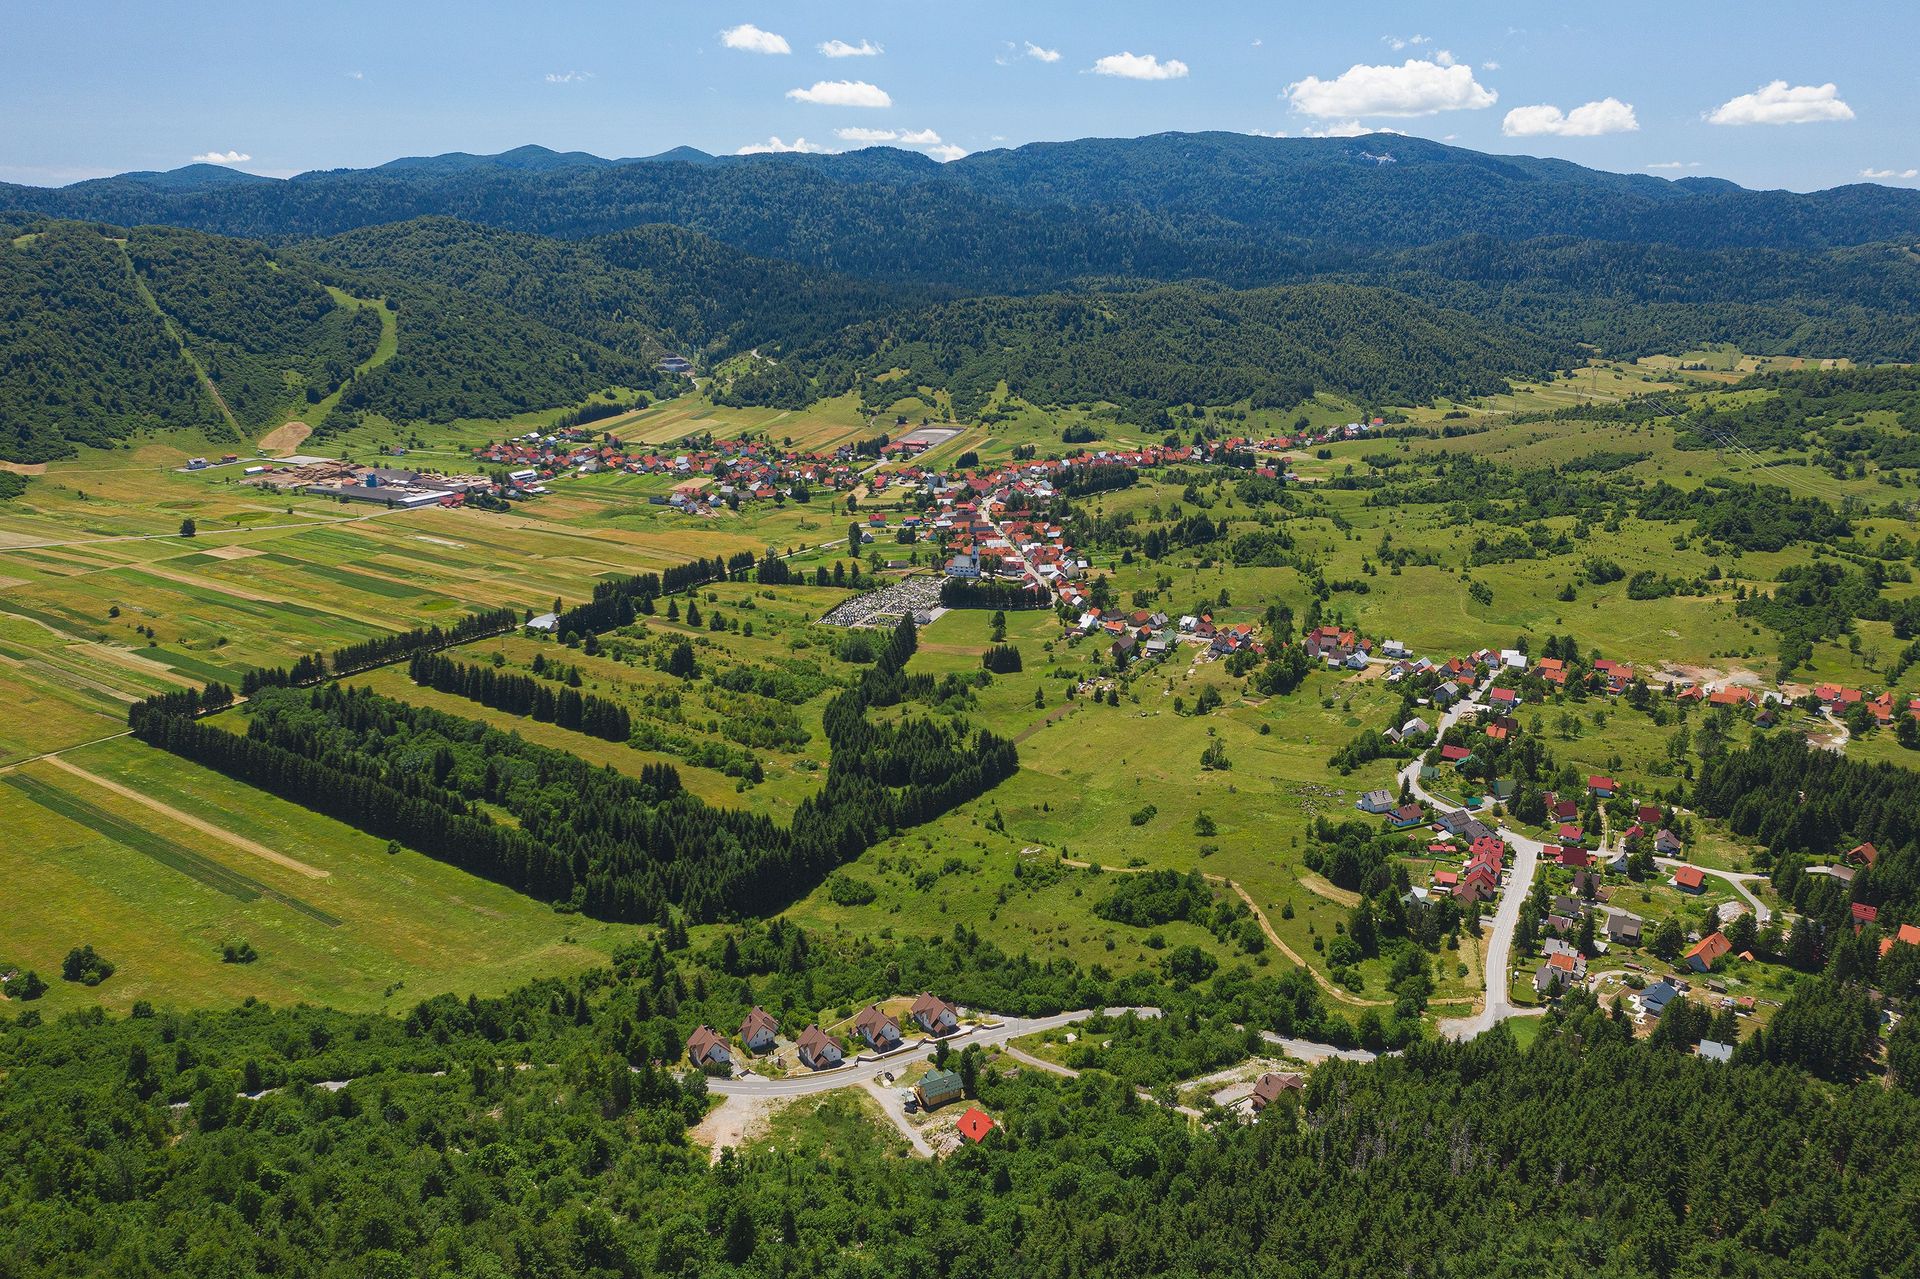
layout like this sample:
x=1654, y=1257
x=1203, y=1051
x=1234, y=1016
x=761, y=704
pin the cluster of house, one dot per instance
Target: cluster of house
x=1840, y=700
x=1480, y=865
x=817, y=1050
x=1325, y=435
x=1141, y=634
x=715, y=474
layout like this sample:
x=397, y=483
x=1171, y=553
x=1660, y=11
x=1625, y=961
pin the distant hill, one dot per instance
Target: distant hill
x=1170, y=345
x=640, y=292
x=1240, y=209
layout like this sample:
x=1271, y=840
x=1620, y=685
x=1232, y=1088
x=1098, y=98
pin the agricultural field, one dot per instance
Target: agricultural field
x=106, y=604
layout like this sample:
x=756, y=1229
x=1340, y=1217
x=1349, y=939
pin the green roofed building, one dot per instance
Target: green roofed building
x=937, y=1089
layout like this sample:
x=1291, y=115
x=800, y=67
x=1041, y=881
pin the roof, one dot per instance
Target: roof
x=939, y=1082
x=703, y=1041
x=757, y=1020
x=1270, y=1085
x=873, y=1018
x=813, y=1039
x=930, y=1005
x=1709, y=948
x=1689, y=877
x=975, y=1124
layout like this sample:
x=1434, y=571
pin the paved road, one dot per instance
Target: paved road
x=1506, y=916
x=1738, y=879
x=862, y=1071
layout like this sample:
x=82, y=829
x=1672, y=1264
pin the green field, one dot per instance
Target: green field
x=105, y=605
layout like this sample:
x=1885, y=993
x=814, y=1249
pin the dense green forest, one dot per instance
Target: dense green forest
x=86, y=358
x=641, y=292
x=83, y=357
x=1178, y=344
x=538, y=1134
x=266, y=333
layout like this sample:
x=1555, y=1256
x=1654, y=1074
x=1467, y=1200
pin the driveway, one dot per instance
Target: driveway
x=1738, y=879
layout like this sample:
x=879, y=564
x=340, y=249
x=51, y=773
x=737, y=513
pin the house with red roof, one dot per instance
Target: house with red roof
x=975, y=1124
x=1689, y=879
x=1604, y=787
x=1705, y=953
x=1864, y=854
x=1863, y=915
x=1454, y=754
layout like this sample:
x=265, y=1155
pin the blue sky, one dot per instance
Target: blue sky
x=1767, y=94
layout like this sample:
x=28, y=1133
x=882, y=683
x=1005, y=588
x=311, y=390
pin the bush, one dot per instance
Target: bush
x=86, y=966
x=238, y=950
x=845, y=890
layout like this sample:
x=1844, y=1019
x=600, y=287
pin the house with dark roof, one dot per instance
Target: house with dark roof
x=706, y=1048
x=1714, y=1050
x=1623, y=928
x=758, y=1029
x=1406, y=815
x=881, y=1032
x=818, y=1049
x=935, y=1015
x=1270, y=1087
x=1655, y=998
x=1666, y=843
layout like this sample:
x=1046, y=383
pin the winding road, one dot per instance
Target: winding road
x=1506, y=916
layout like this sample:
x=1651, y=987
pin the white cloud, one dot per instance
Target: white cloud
x=841, y=49
x=1038, y=54
x=947, y=152
x=1777, y=103
x=356, y=75
x=1396, y=43
x=1336, y=129
x=1417, y=87
x=912, y=137
x=1608, y=115
x=1675, y=164
x=1896, y=174
x=751, y=39
x=1140, y=66
x=568, y=77
x=216, y=157
x=774, y=146
x=1489, y=66
x=1444, y=57
x=842, y=93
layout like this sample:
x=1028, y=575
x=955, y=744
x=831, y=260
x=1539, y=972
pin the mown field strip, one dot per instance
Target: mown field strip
x=211, y=873
x=205, y=827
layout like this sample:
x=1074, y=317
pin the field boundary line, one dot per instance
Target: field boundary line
x=200, y=824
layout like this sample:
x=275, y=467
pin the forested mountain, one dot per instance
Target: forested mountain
x=639, y=292
x=1169, y=345
x=1228, y=206
x=1632, y=299
x=84, y=358
x=104, y=329
x=266, y=334
x=1077, y=271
